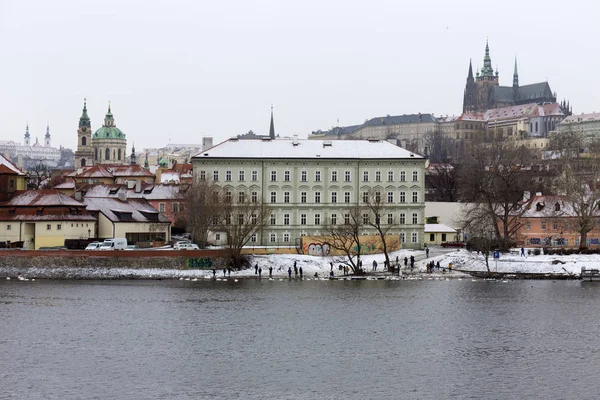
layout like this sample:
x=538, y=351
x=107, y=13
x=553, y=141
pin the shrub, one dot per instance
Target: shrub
x=536, y=252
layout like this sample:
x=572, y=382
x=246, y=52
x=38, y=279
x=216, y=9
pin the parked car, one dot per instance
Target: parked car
x=453, y=244
x=93, y=246
x=132, y=247
x=186, y=246
x=114, y=244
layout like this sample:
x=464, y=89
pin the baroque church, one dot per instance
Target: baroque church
x=105, y=146
x=483, y=92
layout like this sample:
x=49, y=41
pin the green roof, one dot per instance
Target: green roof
x=108, y=132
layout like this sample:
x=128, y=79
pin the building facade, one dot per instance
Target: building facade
x=312, y=183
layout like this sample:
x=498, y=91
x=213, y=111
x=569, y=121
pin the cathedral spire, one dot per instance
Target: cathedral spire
x=470, y=75
x=27, y=131
x=133, y=157
x=109, y=120
x=515, y=76
x=487, y=69
x=272, y=127
x=48, y=131
x=84, y=120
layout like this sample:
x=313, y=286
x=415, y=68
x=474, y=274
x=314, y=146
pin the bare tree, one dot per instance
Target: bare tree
x=376, y=207
x=442, y=183
x=37, y=175
x=200, y=209
x=345, y=236
x=239, y=218
x=494, y=178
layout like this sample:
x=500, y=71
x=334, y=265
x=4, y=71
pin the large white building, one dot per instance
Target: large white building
x=309, y=183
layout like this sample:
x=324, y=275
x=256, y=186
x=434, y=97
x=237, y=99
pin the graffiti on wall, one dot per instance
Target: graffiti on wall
x=199, y=262
x=318, y=249
x=320, y=245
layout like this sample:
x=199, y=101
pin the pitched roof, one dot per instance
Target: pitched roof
x=41, y=198
x=400, y=119
x=438, y=228
x=581, y=118
x=147, y=191
x=111, y=171
x=283, y=148
x=131, y=210
x=7, y=167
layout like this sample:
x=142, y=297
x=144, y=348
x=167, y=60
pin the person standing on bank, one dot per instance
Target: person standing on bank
x=289, y=272
x=256, y=269
x=270, y=272
x=259, y=273
x=427, y=252
x=300, y=270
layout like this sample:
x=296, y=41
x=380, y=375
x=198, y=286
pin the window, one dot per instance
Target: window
x=555, y=226
x=58, y=227
x=302, y=219
x=286, y=197
x=543, y=225
x=202, y=176
x=254, y=197
x=303, y=197
x=228, y=197
x=48, y=227
x=402, y=176
x=286, y=237
x=365, y=218
x=241, y=197
x=317, y=197
x=443, y=237
x=528, y=226
x=346, y=197
x=161, y=207
x=253, y=219
x=432, y=237
x=228, y=219
x=286, y=176
x=390, y=197
x=240, y=219
x=273, y=197
x=390, y=176
x=415, y=237
x=390, y=219
x=334, y=197
x=365, y=197
x=228, y=176
x=333, y=219
x=377, y=176
x=215, y=220
x=557, y=207
x=273, y=220
x=317, y=176
x=8, y=227
x=286, y=219
x=415, y=218
x=333, y=176
x=254, y=176
x=415, y=197
x=366, y=176
x=273, y=176
x=242, y=176
x=347, y=219
x=346, y=176
x=402, y=218
x=403, y=237
x=217, y=236
x=377, y=197
x=252, y=238
x=303, y=176
x=317, y=219
x=415, y=176
x=216, y=176
x=377, y=219
x=402, y=197
x=272, y=238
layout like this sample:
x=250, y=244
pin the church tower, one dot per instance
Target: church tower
x=27, y=136
x=470, y=95
x=84, y=155
x=272, y=126
x=47, y=137
x=486, y=81
x=109, y=142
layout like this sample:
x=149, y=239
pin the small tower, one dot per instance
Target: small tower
x=515, y=76
x=486, y=81
x=27, y=136
x=470, y=95
x=84, y=155
x=133, y=158
x=47, y=137
x=146, y=164
x=272, y=127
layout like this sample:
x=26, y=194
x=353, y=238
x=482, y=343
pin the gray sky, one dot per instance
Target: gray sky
x=181, y=69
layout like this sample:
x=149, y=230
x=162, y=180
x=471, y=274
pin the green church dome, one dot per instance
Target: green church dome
x=109, y=130
x=163, y=162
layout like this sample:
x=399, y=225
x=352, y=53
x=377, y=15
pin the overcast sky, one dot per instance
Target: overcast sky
x=178, y=70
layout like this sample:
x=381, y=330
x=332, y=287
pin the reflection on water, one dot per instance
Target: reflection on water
x=298, y=340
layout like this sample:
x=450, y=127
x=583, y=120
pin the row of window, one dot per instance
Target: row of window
x=177, y=207
x=304, y=176
x=365, y=219
x=374, y=198
x=48, y=227
x=286, y=237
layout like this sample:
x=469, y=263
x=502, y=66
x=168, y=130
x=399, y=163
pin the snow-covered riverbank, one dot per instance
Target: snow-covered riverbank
x=460, y=259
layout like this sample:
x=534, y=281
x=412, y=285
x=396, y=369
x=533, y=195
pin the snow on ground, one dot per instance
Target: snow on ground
x=460, y=259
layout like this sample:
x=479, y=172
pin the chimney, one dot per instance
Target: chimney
x=123, y=196
x=138, y=186
x=78, y=196
x=526, y=195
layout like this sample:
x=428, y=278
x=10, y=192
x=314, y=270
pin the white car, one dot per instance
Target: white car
x=93, y=246
x=186, y=246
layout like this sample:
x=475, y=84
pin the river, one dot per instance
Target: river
x=252, y=339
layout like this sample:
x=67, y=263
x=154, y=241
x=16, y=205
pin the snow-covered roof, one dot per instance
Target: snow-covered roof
x=131, y=210
x=307, y=149
x=146, y=191
x=8, y=167
x=111, y=171
x=39, y=198
x=435, y=228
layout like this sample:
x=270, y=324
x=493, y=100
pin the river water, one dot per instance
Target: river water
x=299, y=340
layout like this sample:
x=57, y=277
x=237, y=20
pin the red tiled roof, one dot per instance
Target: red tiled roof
x=41, y=198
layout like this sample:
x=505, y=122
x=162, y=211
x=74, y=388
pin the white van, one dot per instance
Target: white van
x=114, y=244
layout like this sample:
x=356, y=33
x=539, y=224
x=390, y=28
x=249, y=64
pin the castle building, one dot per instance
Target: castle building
x=105, y=146
x=483, y=92
x=37, y=151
